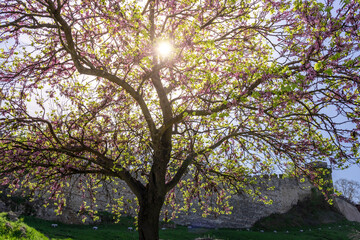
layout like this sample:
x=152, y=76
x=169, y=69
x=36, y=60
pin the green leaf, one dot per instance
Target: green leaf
x=329, y=71
x=318, y=66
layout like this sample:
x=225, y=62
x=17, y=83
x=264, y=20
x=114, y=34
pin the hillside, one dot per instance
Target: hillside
x=312, y=211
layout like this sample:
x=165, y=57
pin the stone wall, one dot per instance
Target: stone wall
x=349, y=211
x=286, y=193
x=246, y=211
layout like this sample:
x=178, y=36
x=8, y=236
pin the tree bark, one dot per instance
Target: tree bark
x=149, y=214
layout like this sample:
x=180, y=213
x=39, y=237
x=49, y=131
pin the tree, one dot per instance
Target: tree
x=349, y=189
x=88, y=90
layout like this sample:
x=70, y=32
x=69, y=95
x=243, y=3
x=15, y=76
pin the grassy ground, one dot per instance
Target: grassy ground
x=38, y=229
x=14, y=230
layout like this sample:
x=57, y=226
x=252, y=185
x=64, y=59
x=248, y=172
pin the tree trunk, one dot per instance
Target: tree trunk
x=148, y=218
x=152, y=198
x=150, y=203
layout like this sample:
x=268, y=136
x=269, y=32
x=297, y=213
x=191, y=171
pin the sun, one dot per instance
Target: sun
x=164, y=48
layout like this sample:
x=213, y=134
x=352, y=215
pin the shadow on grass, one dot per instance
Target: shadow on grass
x=84, y=232
x=336, y=231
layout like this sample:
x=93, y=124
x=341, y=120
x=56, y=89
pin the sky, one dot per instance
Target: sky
x=352, y=173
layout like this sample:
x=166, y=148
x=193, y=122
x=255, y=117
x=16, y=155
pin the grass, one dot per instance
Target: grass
x=15, y=230
x=84, y=232
x=38, y=229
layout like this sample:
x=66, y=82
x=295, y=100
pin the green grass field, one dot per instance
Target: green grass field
x=37, y=229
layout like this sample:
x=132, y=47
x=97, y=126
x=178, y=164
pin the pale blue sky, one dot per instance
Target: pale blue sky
x=352, y=173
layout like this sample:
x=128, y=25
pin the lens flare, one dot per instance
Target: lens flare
x=164, y=49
